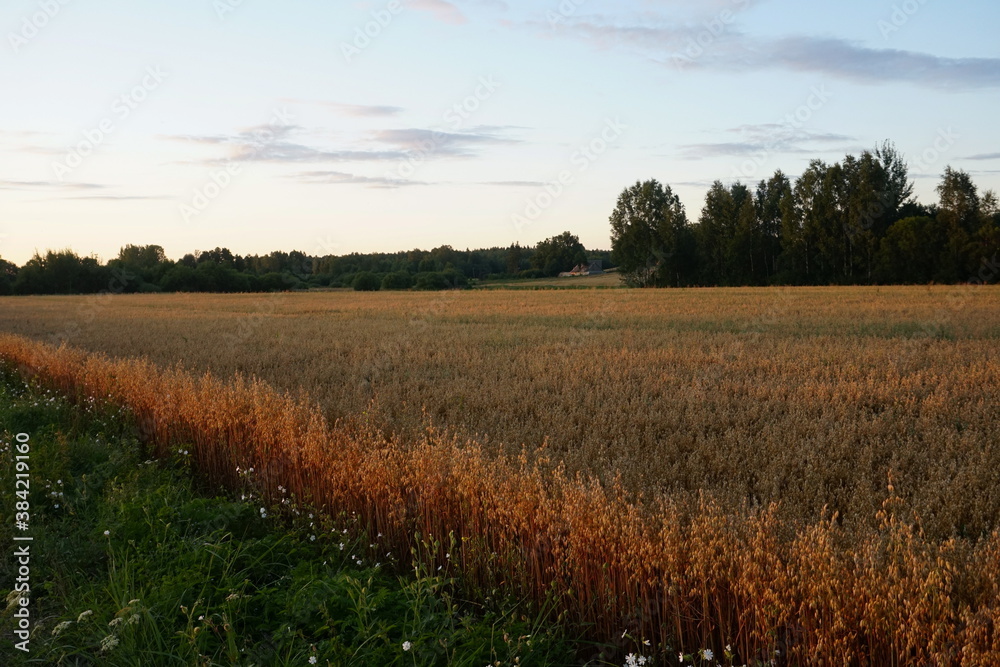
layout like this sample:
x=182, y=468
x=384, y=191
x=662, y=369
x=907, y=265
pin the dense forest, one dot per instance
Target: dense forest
x=147, y=269
x=852, y=222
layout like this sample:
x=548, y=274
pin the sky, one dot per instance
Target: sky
x=338, y=127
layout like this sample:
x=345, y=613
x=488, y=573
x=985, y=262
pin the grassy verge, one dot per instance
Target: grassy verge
x=610, y=280
x=132, y=565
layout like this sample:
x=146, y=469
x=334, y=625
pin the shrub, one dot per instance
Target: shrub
x=398, y=280
x=366, y=281
x=431, y=280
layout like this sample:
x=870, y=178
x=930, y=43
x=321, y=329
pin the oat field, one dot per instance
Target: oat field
x=810, y=475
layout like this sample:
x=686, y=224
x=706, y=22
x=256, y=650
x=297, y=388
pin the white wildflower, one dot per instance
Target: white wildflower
x=59, y=628
x=407, y=646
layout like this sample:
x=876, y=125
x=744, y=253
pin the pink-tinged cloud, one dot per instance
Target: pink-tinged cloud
x=443, y=11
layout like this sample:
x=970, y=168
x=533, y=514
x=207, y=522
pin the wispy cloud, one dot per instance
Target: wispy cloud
x=273, y=144
x=693, y=184
x=344, y=178
x=290, y=152
x=258, y=134
x=514, y=184
x=668, y=43
x=357, y=110
x=443, y=11
x=46, y=185
x=285, y=145
x=118, y=197
x=984, y=156
x=764, y=137
x=39, y=150
x=16, y=142
x=850, y=60
x=22, y=134
x=434, y=142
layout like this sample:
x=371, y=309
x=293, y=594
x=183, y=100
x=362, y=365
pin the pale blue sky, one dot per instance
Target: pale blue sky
x=326, y=144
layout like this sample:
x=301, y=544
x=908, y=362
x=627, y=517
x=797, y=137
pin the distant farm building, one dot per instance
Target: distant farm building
x=592, y=268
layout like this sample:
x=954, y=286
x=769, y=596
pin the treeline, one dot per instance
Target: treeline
x=147, y=269
x=852, y=222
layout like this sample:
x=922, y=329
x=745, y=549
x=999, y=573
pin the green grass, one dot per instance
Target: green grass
x=611, y=280
x=132, y=566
